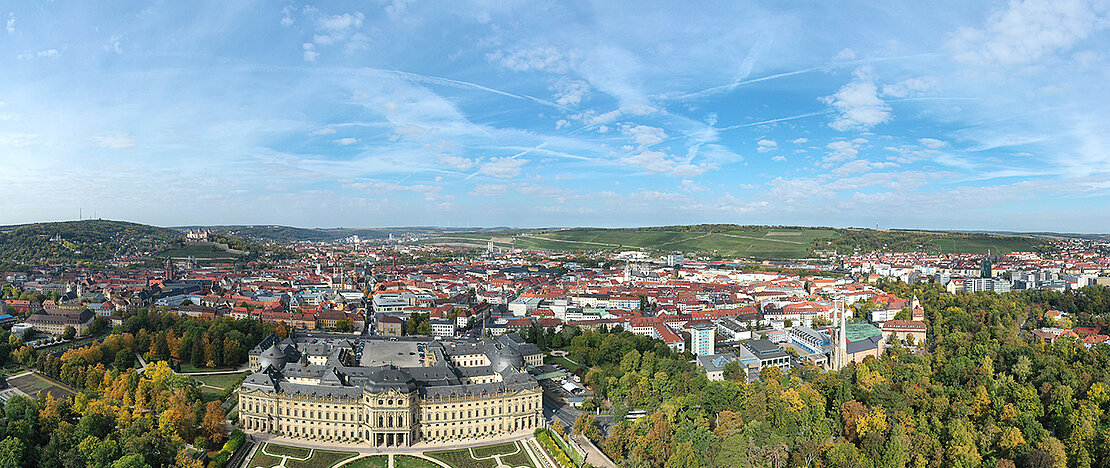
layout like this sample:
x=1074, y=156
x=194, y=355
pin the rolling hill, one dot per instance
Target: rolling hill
x=80, y=241
x=754, y=242
x=285, y=234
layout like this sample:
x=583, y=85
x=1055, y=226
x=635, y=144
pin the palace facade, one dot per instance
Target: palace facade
x=380, y=393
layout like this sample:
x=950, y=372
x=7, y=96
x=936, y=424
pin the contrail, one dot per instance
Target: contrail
x=461, y=85
x=735, y=84
x=782, y=119
x=932, y=98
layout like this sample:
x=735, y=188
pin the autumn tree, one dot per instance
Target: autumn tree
x=214, y=423
x=586, y=425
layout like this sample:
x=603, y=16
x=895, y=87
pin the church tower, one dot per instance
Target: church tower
x=840, y=341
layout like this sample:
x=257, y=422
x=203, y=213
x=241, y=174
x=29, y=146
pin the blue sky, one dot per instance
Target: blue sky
x=951, y=115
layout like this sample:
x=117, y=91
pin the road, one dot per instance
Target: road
x=564, y=413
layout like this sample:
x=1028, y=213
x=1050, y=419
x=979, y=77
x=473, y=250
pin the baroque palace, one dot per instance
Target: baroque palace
x=390, y=393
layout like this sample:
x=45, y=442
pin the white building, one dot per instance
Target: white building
x=702, y=338
x=443, y=327
x=522, y=306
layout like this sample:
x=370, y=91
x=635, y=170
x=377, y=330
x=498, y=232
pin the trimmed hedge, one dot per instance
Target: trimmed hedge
x=553, y=448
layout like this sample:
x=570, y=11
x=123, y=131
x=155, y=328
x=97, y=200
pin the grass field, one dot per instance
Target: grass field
x=981, y=246
x=210, y=394
x=518, y=459
x=570, y=366
x=499, y=449
x=380, y=461
x=199, y=252
x=406, y=461
x=461, y=459
x=34, y=383
x=296, y=452
x=187, y=368
x=319, y=458
x=759, y=243
x=219, y=380
x=512, y=454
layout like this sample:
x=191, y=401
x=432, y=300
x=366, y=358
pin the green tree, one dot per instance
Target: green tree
x=131, y=461
x=11, y=452
x=586, y=425
x=69, y=333
x=345, y=325
x=125, y=359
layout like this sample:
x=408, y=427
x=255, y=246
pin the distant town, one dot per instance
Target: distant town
x=384, y=343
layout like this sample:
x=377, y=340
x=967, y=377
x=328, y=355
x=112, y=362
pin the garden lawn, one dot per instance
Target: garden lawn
x=189, y=368
x=319, y=459
x=219, y=380
x=461, y=459
x=518, y=459
x=499, y=449
x=377, y=461
x=407, y=461
x=562, y=361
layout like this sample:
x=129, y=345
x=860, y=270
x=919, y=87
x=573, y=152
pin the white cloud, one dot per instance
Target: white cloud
x=644, y=135
x=456, y=162
x=545, y=191
x=490, y=190
x=910, y=87
x=1026, y=31
x=860, y=165
x=843, y=150
x=113, y=45
x=505, y=168
x=691, y=186
x=346, y=141
x=357, y=42
x=287, y=16
x=340, y=22
x=430, y=192
x=323, y=131
x=114, y=140
x=397, y=9
x=779, y=158
x=11, y=22
x=332, y=29
x=48, y=53
x=933, y=142
x=858, y=105
x=845, y=55
x=765, y=145
x=310, y=52
x=17, y=140
x=570, y=93
x=800, y=141
x=657, y=161
x=548, y=59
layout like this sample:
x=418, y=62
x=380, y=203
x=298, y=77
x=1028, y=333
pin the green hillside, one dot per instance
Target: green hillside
x=80, y=241
x=287, y=234
x=867, y=240
x=754, y=242
x=761, y=242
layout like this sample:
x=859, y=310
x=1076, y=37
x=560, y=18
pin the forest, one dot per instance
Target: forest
x=984, y=394
x=123, y=416
x=92, y=241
